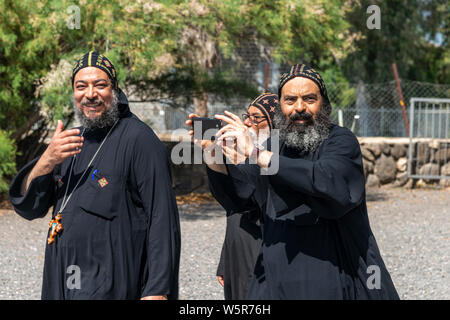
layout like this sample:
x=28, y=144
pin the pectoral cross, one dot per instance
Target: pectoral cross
x=56, y=227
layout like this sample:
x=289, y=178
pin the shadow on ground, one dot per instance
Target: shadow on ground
x=208, y=210
x=203, y=211
x=376, y=195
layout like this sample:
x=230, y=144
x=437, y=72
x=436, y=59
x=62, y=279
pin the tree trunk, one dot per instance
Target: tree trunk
x=201, y=104
x=35, y=117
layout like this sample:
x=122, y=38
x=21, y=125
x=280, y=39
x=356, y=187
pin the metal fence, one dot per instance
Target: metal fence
x=377, y=106
x=429, y=143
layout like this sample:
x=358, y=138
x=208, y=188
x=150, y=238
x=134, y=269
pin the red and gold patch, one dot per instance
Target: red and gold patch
x=102, y=182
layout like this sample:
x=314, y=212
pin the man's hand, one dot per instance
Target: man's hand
x=239, y=133
x=220, y=279
x=163, y=297
x=201, y=143
x=243, y=145
x=63, y=145
x=209, y=147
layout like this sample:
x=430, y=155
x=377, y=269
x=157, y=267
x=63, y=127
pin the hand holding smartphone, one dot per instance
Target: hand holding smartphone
x=205, y=128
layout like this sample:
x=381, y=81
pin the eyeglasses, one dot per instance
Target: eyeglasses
x=254, y=119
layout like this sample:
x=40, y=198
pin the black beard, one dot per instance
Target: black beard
x=106, y=119
x=305, y=137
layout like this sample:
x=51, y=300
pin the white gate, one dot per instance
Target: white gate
x=429, y=143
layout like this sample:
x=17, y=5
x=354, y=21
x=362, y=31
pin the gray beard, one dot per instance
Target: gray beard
x=304, y=138
x=106, y=119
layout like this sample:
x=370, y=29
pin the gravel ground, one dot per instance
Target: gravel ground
x=411, y=228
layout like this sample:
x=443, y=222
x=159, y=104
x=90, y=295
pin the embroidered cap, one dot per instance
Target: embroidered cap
x=267, y=103
x=94, y=59
x=305, y=71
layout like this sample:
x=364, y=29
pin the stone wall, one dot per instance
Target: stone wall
x=386, y=162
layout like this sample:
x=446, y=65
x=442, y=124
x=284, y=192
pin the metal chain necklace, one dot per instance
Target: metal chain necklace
x=55, y=224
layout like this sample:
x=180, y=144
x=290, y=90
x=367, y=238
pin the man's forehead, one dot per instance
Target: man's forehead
x=91, y=74
x=300, y=86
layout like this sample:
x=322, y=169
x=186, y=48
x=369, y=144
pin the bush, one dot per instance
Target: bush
x=7, y=160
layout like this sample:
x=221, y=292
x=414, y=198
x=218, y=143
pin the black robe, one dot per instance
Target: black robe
x=242, y=241
x=124, y=236
x=317, y=240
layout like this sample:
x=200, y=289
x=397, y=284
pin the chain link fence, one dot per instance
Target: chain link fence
x=372, y=110
x=369, y=110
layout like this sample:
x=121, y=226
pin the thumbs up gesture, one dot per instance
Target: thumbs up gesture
x=63, y=145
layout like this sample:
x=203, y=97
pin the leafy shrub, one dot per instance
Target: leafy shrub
x=7, y=160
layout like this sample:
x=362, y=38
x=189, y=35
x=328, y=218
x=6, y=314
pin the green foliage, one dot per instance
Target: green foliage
x=408, y=29
x=28, y=48
x=7, y=160
x=153, y=41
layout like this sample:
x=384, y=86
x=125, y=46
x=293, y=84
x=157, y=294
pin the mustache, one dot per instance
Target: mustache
x=301, y=116
x=95, y=101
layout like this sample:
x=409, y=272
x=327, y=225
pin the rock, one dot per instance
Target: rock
x=385, y=169
x=368, y=167
x=434, y=144
x=445, y=169
x=372, y=181
x=444, y=183
x=429, y=169
x=422, y=153
x=421, y=184
x=367, y=154
x=385, y=148
x=398, y=151
x=401, y=179
x=402, y=164
x=410, y=184
x=442, y=156
x=374, y=148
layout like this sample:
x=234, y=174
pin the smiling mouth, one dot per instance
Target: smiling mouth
x=92, y=105
x=303, y=121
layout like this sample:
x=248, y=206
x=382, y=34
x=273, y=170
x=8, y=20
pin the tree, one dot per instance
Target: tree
x=408, y=29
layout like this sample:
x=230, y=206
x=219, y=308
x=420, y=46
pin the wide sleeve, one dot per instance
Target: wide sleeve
x=39, y=197
x=232, y=192
x=151, y=171
x=332, y=185
x=221, y=265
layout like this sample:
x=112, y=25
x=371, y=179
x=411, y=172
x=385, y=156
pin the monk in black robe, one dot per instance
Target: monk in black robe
x=242, y=241
x=317, y=240
x=110, y=188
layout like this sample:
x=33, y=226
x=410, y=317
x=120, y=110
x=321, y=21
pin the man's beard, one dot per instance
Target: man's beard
x=106, y=119
x=305, y=137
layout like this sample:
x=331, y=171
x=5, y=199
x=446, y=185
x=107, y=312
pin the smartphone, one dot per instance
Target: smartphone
x=210, y=126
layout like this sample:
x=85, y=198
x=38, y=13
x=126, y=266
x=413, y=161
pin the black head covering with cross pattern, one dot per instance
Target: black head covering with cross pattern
x=267, y=103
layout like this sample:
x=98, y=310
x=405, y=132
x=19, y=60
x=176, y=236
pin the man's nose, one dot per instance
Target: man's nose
x=300, y=106
x=247, y=122
x=91, y=92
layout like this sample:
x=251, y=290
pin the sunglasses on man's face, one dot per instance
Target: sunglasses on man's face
x=253, y=118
